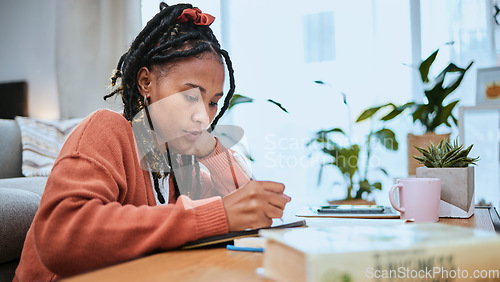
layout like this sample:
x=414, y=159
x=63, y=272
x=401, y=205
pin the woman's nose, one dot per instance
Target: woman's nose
x=201, y=116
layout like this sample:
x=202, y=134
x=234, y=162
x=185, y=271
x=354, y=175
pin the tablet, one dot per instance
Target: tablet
x=364, y=209
x=372, y=211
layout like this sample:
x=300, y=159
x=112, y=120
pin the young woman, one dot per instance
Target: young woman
x=152, y=178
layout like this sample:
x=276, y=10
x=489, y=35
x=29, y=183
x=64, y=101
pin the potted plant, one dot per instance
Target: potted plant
x=450, y=162
x=433, y=112
x=345, y=157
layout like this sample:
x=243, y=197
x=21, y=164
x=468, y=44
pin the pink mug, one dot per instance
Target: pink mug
x=418, y=198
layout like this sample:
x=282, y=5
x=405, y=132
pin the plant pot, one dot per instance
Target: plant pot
x=457, y=190
x=421, y=141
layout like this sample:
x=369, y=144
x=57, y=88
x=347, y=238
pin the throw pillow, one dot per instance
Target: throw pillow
x=41, y=141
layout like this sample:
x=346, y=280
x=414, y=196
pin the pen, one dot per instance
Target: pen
x=244, y=249
x=246, y=170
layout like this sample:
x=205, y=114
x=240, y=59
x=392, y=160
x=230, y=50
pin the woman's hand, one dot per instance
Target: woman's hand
x=255, y=205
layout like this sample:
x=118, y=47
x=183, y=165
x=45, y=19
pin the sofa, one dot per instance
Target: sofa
x=19, y=198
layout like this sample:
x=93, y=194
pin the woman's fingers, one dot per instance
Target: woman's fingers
x=277, y=200
x=273, y=212
x=275, y=187
x=255, y=204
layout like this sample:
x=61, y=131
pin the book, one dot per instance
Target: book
x=250, y=242
x=223, y=238
x=405, y=252
x=387, y=212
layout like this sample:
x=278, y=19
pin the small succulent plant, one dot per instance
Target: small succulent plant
x=446, y=154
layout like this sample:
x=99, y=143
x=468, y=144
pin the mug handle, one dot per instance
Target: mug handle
x=391, y=197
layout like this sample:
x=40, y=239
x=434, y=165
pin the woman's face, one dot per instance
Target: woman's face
x=183, y=98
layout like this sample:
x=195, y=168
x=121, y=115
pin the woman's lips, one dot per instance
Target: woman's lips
x=192, y=134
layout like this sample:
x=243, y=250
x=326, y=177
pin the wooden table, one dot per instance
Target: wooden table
x=219, y=264
x=484, y=218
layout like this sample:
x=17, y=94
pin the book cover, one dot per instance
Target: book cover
x=407, y=252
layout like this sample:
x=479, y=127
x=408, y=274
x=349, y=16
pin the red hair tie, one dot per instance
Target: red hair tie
x=196, y=16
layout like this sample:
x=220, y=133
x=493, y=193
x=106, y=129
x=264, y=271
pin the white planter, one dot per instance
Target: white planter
x=457, y=190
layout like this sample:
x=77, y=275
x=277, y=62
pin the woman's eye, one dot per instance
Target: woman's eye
x=213, y=104
x=191, y=98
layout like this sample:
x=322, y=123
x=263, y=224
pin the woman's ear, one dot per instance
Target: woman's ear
x=144, y=81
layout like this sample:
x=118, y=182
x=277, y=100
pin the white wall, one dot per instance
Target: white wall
x=27, y=32
x=82, y=43
x=91, y=36
x=28, y=52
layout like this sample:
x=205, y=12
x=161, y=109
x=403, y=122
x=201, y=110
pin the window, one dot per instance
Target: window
x=361, y=48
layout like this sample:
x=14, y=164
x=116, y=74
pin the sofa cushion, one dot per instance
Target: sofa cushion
x=10, y=149
x=32, y=184
x=16, y=214
x=8, y=269
x=41, y=142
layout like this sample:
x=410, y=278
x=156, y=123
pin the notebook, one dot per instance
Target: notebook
x=217, y=239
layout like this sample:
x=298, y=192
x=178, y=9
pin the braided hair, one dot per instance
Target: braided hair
x=164, y=40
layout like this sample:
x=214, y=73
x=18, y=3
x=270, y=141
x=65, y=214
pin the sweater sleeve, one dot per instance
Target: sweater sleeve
x=92, y=214
x=226, y=175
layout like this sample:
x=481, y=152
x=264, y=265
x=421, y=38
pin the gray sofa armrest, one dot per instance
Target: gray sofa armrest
x=19, y=201
x=17, y=211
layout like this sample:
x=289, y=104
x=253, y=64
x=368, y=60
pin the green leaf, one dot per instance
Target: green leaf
x=454, y=85
x=426, y=65
x=334, y=152
x=424, y=152
x=324, y=133
x=368, y=113
x=394, y=113
x=450, y=68
x=277, y=104
x=322, y=139
x=339, y=130
x=445, y=113
x=420, y=160
x=455, y=121
x=387, y=138
x=346, y=159
x=419, y=112
x=383, y=171
x=239, y=99
x=451, y=155
x=407, y=105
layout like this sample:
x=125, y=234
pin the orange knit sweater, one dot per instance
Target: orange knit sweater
x=99, y=209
